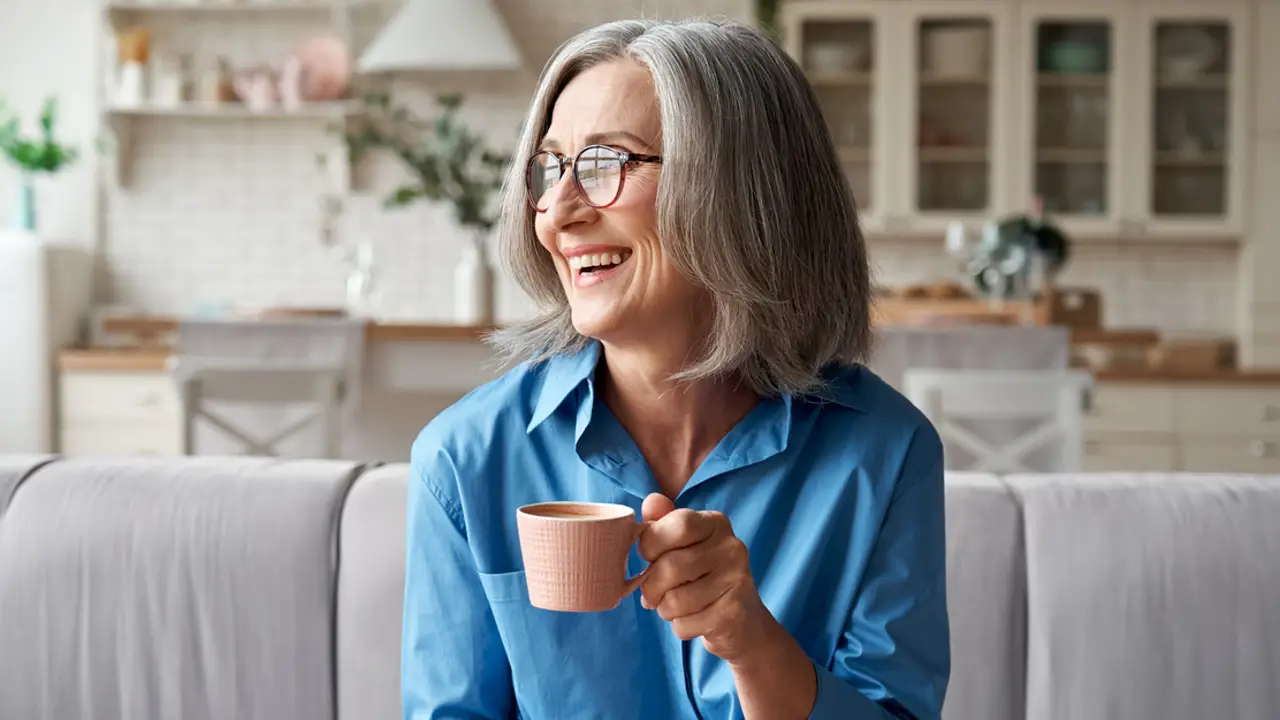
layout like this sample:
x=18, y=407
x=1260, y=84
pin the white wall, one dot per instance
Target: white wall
x=50, y=47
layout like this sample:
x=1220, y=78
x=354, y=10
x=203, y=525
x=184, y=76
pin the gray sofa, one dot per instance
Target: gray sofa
x=218, y=589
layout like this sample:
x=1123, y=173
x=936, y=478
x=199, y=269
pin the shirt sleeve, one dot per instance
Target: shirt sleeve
x=894, y=658
x=453, y=664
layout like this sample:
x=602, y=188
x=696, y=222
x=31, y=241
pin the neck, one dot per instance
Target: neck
x=675, y=424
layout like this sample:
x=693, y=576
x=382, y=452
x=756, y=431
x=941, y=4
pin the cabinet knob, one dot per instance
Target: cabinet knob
x=1267, y=413
x=1259, y=449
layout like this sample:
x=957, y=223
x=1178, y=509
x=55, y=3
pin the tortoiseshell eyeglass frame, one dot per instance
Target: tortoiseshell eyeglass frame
x=627, y=159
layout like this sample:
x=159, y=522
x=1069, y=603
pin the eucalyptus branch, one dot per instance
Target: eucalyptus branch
x=449, y=162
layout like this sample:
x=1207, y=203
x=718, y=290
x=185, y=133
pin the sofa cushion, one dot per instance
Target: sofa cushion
x=986, y=600
x=371, y=595
x=199, y=589
x=1152, y=597
x=13, y=470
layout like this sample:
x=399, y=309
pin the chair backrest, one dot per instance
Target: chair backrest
x=320, y=387
x=1050, y=404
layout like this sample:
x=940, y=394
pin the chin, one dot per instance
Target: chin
x=594, y=322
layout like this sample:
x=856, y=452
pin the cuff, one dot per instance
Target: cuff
x=838, y=700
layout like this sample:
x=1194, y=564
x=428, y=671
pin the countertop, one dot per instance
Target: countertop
x=153, y=327
x=1191, y=377
x=156, y=360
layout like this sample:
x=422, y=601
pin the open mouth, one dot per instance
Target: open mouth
x=588, y=265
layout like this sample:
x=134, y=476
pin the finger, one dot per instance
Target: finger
x=677, y=529
x=699, y=624
x=692, y=598
x=656, y=506
x=676, y=568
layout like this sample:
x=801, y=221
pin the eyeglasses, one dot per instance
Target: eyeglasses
x=599, y=173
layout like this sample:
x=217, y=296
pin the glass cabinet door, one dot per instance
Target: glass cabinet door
x=840, y=49
x=1073, y=108
x=954, y=97
x=1192, y=120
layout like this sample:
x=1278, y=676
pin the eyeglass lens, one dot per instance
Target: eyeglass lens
x=598, y=173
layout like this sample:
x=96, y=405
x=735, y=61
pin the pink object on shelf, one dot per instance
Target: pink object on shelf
x=575, y=554
x=326, y=68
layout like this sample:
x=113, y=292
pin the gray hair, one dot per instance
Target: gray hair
x=752, y=206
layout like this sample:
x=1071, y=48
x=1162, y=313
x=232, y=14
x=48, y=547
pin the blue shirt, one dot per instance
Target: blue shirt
x=839, y=501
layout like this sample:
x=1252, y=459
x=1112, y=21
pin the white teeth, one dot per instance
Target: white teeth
x=589, y=261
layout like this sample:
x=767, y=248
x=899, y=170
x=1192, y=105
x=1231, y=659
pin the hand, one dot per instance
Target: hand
x=699, y=580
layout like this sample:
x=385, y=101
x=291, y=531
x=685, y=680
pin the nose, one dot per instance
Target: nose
x=566, y=207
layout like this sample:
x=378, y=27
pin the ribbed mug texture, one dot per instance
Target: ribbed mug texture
x=576, y=564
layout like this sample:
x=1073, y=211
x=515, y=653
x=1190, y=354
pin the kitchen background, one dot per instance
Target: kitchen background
x=1149, y=128
x=227, y=211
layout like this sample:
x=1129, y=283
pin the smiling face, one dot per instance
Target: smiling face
x=620, y=285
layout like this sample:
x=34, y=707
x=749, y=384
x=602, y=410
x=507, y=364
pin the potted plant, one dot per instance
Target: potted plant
x=449, y=163
x=33, y=156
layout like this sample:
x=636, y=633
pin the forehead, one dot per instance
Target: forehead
x=613, y=97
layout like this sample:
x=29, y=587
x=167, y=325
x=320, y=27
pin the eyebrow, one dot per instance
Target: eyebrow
x=603, y=138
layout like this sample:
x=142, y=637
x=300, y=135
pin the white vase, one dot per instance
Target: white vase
x=473, y=285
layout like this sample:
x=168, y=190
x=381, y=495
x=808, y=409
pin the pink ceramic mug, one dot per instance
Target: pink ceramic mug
x=575, y=554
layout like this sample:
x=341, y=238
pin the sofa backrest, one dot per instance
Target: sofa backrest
x=1152, y=597
x=986, y=600
x=13, y=470
x=371, y=595
x=200, y=589
x=248, y=588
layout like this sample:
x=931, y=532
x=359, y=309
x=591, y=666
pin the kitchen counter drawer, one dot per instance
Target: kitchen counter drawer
x=1118, y=407
x=120, y=396
x=1108, y=455
x=1246, y=455
x=113, y=438
x=1228, y=411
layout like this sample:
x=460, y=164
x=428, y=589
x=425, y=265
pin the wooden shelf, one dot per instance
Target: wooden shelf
x=958, y=154
x=1070, y=156
x=934, y=80
x=1178, y=160
x=1078, y=80
x=237, y=111
x=125, y=13
x=1203, y=82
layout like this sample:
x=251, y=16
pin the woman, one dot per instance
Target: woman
x=678, y=213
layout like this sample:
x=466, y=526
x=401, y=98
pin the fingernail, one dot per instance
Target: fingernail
x=644, y=603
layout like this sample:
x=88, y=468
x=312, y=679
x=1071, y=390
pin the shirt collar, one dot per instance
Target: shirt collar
x=561, y=376
x=565, y=373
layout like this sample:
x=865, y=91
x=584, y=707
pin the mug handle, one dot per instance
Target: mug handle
x=630, y=585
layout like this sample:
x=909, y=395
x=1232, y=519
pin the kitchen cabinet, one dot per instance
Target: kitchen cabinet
x=941, y=65
x=1129, y=120
x=1190, y=133
x=119, y=413
x=1183, y=426
x=1268, y=56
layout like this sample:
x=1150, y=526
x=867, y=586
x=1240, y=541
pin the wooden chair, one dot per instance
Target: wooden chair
x=1051, y=402
x=243, y=385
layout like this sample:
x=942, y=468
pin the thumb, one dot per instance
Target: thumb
x=656, y=506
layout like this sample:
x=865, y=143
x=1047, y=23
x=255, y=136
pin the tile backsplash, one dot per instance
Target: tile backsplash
x=1188, y=288
x=227, y=212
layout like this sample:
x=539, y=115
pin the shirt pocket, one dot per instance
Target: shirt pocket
x=560, y=661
